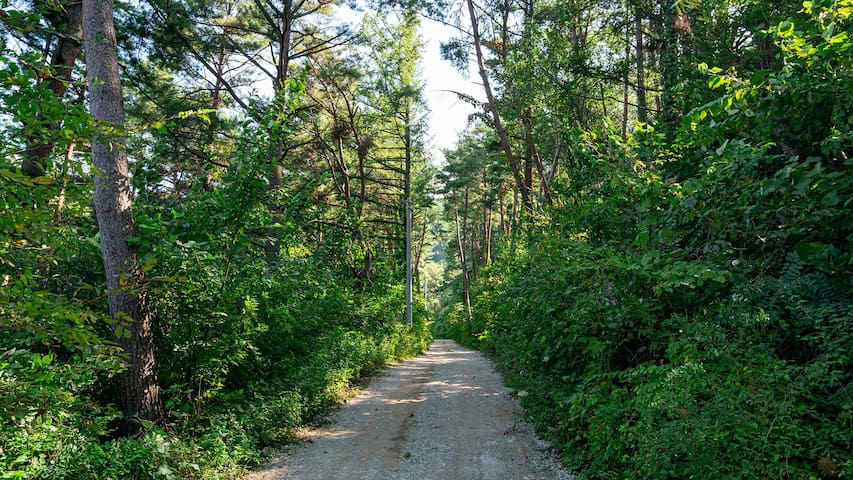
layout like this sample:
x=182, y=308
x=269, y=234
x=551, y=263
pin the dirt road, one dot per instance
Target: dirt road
x=443, y=415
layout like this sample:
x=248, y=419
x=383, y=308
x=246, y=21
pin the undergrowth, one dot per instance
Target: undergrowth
x=686, y=308
x=218, y=435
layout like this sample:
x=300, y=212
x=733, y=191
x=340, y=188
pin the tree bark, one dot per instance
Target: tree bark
x=285, y=35
x=625, y=85
x=534, y=159
x=419, y=250
x=487, y=235
x=407, y=142
x=282, y=22
x=501, y=208
x=129, y=307
x=37, y=159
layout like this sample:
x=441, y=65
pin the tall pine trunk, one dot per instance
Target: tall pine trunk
x=138, y=386
x=642, y=114
x=669, y=70
x=517, y=170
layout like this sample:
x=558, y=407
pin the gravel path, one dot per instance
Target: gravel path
x=443, y=415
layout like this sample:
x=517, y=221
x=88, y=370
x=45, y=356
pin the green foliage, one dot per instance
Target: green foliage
x=51, y=359
x=639, y=372
x=247, y=354
x=681, y=309
x=247, y=349
x=687, y=312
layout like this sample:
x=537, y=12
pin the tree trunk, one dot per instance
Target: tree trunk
x=465, y=241
x=501, y=208
x=642, y=113
x=463, y=264
x=534, y=159
x=129, y=307
x=487, y=254
x=625, y=82
x=668, y=59
x=275, y=176
x=419, y=251
x=493, y=109
x=555, y=164
x=36, y=161
x=528, y=167
x=407, y=142
x=487, y=236
x=513, y=222
x=285, y=35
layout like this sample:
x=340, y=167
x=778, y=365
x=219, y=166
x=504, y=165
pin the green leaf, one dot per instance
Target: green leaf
x=715, y=82
x=839, y=38
x=148, y=265
x=759, y=78
x=785, y=28
x=831, y=199
x=716, y=107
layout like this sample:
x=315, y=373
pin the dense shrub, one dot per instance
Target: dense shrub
x=631, y=384
x=53, y=428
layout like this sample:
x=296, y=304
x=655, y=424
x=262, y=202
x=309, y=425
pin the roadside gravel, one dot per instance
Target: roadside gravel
x=443, y=415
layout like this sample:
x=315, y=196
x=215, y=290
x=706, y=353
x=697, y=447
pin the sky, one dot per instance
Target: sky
x=448, y=114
